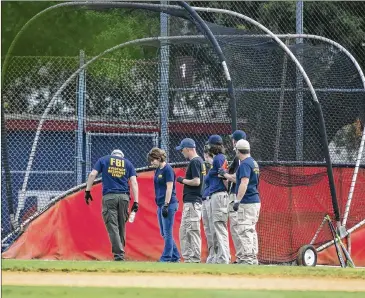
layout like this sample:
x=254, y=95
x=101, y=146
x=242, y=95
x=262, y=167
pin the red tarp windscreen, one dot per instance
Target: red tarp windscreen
x=290, y=215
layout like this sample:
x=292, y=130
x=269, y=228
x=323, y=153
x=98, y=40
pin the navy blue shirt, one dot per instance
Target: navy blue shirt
x=216, y=183
x=116, y=172
x=206, y=183
x=162, y=176
x=249, y=169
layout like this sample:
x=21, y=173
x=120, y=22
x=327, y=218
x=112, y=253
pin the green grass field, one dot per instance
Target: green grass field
x=159, y=270
x=180, y=268
x=35, y=292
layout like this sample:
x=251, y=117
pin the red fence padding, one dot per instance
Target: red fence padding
x=72, y=230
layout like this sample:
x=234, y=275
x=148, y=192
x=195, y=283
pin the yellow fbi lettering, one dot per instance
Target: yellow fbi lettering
x=117, y=162
x=116, y=168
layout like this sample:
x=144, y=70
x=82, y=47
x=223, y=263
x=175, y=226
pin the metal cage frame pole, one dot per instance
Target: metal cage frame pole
x=164, y=82
x=141, y=41
x=80, y=122
x=275, y=37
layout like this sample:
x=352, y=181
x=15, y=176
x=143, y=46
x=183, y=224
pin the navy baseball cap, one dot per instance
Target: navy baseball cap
x=215, y=140
x=239, y=135
x=186, y=143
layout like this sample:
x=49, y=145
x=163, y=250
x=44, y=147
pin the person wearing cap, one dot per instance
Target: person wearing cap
x=231, y=177
x=116, y=172
x=208, y=230
x=247, y=204
x=218, y=201
x=190, y=236
x=166, y=201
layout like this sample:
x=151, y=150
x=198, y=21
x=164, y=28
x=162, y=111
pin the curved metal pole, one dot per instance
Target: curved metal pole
x=202, y=37
x=272, y=35
x=99, y=56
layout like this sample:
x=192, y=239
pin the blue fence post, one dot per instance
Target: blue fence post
x=80, y=160
x=164, y=82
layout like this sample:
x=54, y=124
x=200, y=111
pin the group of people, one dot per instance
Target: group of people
x=212, y=192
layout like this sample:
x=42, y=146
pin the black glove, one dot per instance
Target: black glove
x=88, y=196
x=180, y=179
x=134, y=207
x=236, y=206
x=165, y=210
x=221, y=172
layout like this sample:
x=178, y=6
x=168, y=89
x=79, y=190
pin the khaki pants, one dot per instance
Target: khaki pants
x=233, y=222
x=115, y=216
x=207, y=230
x=248, y=215
x=190, y=237
x=219, y=218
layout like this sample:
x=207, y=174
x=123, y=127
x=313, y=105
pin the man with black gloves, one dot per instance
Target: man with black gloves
x=116, y=172
x=231, y=177
x=248, y=202
x=190, y=236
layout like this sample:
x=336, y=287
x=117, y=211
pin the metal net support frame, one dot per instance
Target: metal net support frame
x=130, y=43
x=275, y=37
x=162, y=8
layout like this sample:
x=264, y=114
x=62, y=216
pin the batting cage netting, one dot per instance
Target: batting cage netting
x=157, y=91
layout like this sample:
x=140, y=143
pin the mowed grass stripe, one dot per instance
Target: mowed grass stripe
x=180, y=268
x=59, y=292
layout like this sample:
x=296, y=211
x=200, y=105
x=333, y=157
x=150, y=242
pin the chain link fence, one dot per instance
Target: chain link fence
x=341, y=21
x=29, y=85
x=179, y=91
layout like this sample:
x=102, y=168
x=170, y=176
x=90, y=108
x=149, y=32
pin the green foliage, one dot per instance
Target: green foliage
x=64, y=31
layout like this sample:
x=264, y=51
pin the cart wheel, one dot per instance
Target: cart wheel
x=307, y=256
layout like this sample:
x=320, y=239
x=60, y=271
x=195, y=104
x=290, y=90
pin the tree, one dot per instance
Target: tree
x=64, y=31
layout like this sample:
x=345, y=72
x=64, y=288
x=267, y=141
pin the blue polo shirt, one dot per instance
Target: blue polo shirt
x=249, y=169
x=116, y=172
x=162, y=176
x=216, y=183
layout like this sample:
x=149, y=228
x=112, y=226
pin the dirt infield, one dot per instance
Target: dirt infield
x=175, y=281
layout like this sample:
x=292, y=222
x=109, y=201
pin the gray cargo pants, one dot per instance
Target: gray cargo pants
x=247, y=217
x=208, y=231
x=115, y=216
x=219, y=218
x=190, y=237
